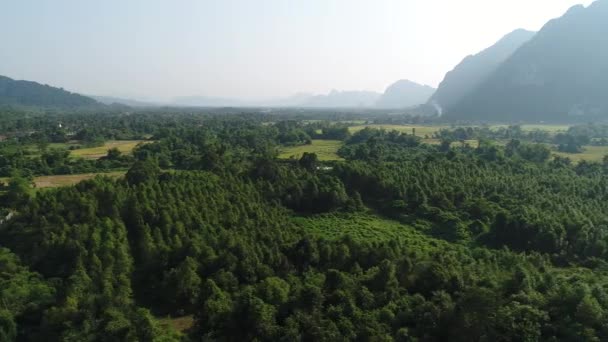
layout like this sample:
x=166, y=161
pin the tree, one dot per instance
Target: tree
x=19, y=191
x=309, y=161
x=114, y=154
x=143, y=171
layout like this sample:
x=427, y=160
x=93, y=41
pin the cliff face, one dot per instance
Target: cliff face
x=475, y=69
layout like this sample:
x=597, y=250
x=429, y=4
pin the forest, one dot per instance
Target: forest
x=397, y=240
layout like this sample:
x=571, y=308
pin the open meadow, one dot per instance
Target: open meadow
x=325, y=149
x=124, y=146
x=590, y=153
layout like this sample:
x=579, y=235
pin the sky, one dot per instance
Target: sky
x=251, y=49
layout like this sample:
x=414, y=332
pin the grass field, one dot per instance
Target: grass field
x=325, y=150
x=124, y=146
x=590, y=153
x=363, y=227
x=65, y=180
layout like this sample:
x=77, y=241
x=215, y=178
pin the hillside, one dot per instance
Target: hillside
x=474, y=69
x=561, y=74
x=27, y=93
x=404, y=93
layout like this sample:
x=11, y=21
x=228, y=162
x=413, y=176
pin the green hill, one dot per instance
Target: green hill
x=27, y=93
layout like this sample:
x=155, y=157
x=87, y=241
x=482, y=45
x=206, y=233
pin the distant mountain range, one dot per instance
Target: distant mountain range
x=403, y=94
x=474, y=69
x=27, y=93
x=110, y=100
x=560, y=74
x=343, y=99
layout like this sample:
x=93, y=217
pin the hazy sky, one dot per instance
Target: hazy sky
x=251, y=48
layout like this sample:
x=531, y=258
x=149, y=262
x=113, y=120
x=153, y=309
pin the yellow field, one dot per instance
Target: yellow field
x=590, y=153
x=124, y=146
x=180, y=324
x=325, y=150
x=66, y=180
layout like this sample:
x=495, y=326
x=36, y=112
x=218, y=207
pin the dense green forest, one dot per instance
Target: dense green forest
x=399, y=241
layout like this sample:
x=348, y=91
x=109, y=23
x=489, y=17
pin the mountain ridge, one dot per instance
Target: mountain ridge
x=30, y=93
x=558, y=75
x=474, y=69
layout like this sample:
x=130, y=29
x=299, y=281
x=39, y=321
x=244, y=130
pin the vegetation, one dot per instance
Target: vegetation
x=214, y=233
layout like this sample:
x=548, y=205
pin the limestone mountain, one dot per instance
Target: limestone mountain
x=560, y=74
x=475, y=69
x=405, y=93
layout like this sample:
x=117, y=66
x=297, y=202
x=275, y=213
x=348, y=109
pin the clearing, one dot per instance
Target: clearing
x=363, y=227
x=66, y=180
x=180, y=324
x=124, y=146
x=590, y=153
x=325, y=150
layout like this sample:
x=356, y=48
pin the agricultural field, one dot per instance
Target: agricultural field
x=179, y=324
x=325, y=150
x=124, y=146
x=66, y=180
x=590, y=153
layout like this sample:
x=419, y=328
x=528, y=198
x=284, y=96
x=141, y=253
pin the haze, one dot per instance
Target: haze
x=154, y=49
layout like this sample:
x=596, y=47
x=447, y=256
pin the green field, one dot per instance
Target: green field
x=590, y=153
x=124, y=146
x=363, y=227
x=325, y=150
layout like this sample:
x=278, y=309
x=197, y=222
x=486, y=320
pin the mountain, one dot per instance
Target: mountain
x=109, y=100
x=474, y=69
x=561, y=74
x=27, y=93
x=404, y=93
x=342, y=99
x=206, y=101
